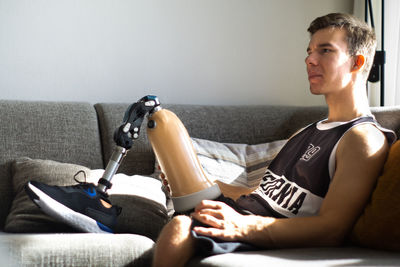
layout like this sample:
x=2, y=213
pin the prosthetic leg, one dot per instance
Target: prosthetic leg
x=173, y=148
x=175, y=153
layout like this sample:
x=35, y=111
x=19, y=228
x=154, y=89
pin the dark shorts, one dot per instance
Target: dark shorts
x=207, y=246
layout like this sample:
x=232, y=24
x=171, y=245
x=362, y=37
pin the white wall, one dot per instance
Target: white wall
x=184, y=51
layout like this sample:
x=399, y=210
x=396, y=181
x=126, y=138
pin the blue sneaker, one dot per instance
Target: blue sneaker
x=81, y=206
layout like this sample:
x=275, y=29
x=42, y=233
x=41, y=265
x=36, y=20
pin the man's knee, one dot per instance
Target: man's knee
x=181, y=222
x=176, y=231
x=175, y=245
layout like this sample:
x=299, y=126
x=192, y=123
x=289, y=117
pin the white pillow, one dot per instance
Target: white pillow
x=132, y=185
x=237, y=164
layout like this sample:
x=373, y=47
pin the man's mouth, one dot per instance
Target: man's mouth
x=314, y=76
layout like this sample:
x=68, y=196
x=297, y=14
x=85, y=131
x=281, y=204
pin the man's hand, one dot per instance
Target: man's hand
x=225, y=223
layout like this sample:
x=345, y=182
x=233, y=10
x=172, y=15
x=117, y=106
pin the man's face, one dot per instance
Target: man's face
x=328, y=63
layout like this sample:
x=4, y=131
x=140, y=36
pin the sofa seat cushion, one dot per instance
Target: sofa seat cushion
x=378, y=226
x=141, y=198
x=78, y=249
x=301, y=257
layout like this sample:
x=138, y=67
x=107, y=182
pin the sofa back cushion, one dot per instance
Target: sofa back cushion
x=388, y=117
x=66, y=132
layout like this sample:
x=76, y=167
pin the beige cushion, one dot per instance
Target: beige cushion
x=141, y=198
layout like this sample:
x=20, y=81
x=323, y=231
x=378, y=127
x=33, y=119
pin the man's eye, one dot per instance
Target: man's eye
x=325, y=50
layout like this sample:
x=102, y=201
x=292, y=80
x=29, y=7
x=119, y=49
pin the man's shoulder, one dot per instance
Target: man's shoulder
x=364, y=137
x=365, y=132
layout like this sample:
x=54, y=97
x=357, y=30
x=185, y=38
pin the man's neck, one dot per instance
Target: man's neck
x=348, y=104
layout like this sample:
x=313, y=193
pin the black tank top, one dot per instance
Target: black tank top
x=298, y=179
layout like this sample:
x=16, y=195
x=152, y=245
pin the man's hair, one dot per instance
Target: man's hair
x=361, y=37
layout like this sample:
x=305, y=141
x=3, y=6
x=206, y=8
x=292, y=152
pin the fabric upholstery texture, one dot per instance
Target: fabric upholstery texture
x=237, y=164
x=61, y=131
x=77, y=249
x=24, y=215
x=378, y=226
x=141, y=198
x=385, y=116
x=302, y=257
x=143, y=202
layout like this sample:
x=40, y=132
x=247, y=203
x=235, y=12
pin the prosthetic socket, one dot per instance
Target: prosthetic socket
x=174, y=151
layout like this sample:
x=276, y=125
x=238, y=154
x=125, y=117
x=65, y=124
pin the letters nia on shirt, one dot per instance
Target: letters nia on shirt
x=286, y=197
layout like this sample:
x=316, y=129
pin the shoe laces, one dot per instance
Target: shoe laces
x=86, y=184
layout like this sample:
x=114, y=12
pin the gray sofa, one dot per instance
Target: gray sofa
x=81, y=134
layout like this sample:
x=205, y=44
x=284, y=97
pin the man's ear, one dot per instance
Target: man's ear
x=358, y=62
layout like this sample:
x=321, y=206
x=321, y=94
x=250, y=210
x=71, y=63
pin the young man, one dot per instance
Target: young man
x=314, y=190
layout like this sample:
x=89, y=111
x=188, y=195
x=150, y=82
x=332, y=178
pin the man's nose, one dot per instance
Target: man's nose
x=311, y=59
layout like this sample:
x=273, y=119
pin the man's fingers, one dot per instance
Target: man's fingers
x=214, y=232
x=216, y=213
x=209, y=220
x=209, y=204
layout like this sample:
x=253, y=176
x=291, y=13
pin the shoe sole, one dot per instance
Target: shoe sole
x=61, y=212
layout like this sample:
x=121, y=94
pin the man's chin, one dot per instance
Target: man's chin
x=315, y=90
